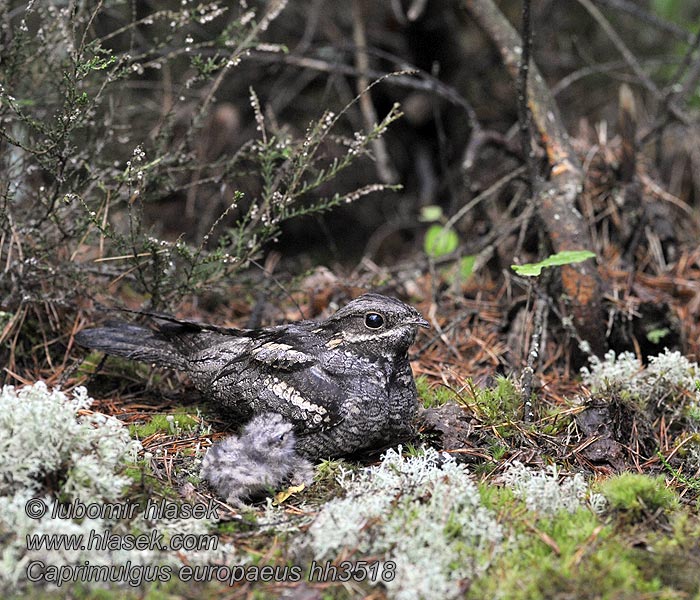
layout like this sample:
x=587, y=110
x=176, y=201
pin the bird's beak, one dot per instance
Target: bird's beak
x=420, y=321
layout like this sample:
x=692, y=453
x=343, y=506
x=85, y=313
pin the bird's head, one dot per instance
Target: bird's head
x=270, y=435
x=376, y=325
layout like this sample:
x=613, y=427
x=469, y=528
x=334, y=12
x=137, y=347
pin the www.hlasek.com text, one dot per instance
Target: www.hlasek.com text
x=100, y=541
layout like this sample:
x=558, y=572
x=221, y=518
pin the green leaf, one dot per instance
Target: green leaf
x=555, y=260
x=440, y=241
x=656, y=335
x=466, y=266
x=430, y=213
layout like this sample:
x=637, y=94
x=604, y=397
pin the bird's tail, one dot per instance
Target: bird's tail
x=133, y=342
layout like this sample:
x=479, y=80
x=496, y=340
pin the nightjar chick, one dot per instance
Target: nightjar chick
x=345, y=383
x=262, y=457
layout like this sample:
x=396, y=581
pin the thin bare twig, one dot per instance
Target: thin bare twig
x=524, y=114
x=631, y=59
x=419, y=80
x=682, y=71
x=557, y=198
x=385, y=171
x=272, y=11
x=508, y=177
x=672, y=94
x=532, y=359
x=607, y=67
x=639, y=12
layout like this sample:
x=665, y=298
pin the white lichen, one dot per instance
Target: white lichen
x=56, y=450
x=669, y=376
x=672, y=371
x=545, y=492
x=611, y=373
x=422, y=513
x=50, y=440
x=46, y=432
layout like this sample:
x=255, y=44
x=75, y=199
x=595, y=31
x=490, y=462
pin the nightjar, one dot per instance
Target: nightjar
x=345, y=383
x=262, y=457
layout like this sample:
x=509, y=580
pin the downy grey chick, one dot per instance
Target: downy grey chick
x=261, y=457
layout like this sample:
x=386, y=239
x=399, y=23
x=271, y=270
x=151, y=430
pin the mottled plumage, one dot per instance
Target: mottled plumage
x=345, y=383
x=262, y=457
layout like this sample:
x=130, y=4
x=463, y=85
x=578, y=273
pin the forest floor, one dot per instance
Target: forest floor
x=595, y=496
x=537, y=470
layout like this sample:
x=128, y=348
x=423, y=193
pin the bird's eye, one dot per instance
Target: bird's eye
x=374, y=320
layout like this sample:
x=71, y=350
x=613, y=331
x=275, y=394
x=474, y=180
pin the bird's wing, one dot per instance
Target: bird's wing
x=281, y=356
x=285, y=350
x=173, y=326
x=309, y=398
x=272, y=370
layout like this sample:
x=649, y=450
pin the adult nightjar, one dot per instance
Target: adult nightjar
x=345, y=383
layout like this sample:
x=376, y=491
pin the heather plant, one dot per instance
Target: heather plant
x=95, y=136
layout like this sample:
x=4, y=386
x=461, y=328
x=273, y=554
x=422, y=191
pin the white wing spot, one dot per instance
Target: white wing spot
x=334, y=342
x=291, y=395
x=274, y=352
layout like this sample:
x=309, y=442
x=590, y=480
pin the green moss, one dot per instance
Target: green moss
x=498, y=450
x=89, y=364
x=499, y=499
x=688, y=450
x=676, y=558
x=325, y=484
x=125, y=367
x=433, y=395
x=567, y=556
x=585, y=556
x=173, y=423
x=497, y=405
x=146, y=485
x=328, y=470
x=637, y=495
x=413, y=450
x=137, y=470
x=694, y=412
x=555, y=420
x=227, y=527
x=116, y=374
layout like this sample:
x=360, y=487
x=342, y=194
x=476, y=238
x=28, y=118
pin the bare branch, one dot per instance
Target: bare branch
x=385, y=171
x=524, y=115
x=631, y=60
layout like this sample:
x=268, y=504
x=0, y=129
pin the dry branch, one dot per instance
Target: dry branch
x=385, y=171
